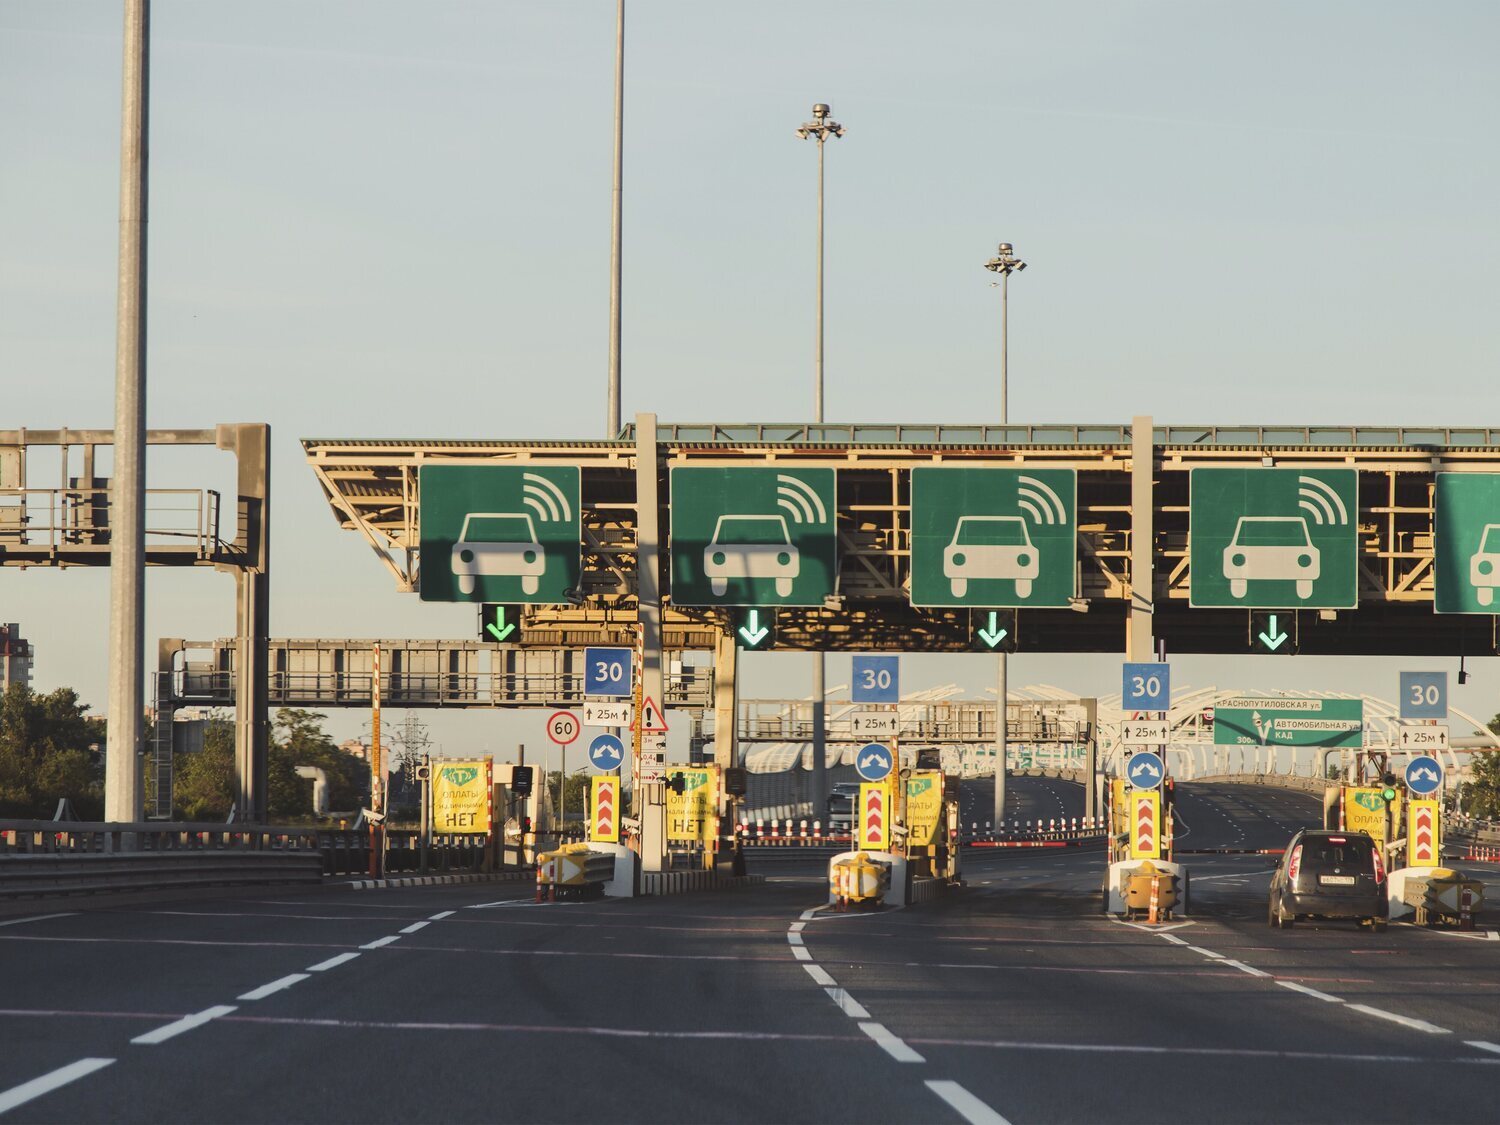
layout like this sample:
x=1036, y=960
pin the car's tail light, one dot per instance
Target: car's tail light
x=1294, y=864
x=1379, y=866
x=1338, y=840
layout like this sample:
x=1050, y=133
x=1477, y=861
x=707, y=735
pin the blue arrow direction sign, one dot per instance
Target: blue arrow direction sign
x=1272, y=636
x=1144, y=770
x=606, y=753
x=752, y=630
x=874, y=762
x=499, y=628
x=1424, y=775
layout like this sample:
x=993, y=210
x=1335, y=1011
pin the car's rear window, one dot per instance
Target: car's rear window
x=1347, y=851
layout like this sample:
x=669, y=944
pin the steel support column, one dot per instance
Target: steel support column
x=648, y=591
x=1139, y=625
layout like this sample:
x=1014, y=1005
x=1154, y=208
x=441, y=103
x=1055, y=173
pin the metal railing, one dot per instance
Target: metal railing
x=58, y=518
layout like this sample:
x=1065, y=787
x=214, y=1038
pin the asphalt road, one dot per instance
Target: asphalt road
x=1012, y=1000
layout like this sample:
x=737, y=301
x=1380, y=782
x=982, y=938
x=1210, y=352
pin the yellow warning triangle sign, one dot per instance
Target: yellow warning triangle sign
x=651, y=720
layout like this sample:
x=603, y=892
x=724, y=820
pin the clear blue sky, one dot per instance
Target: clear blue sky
x=382, y=219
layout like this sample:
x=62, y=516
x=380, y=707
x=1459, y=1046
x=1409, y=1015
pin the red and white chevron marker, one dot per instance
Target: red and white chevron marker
x=874, y=816
x=1145, y=835
x=1423, y=834
x=604, y=823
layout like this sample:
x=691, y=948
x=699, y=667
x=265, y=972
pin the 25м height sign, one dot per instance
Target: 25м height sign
x=1273, y=538
x=499, y=533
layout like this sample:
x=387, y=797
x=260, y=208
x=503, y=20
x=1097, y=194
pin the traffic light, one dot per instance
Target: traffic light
x=500, y=624
x=755, y=627
x=993, y=630
x=676, y=782
x=1273, y=631
x=1388, y=788
x=736, y=781
x=520, y=781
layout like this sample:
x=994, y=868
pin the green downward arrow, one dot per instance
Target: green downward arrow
x=994, y=634
x=498, y=628
x=1275, y=638
x=754, y=632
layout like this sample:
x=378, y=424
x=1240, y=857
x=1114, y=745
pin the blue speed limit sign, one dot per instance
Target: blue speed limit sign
x=607, y=671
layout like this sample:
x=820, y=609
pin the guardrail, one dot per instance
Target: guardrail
x=804, y=834
x=43, y=875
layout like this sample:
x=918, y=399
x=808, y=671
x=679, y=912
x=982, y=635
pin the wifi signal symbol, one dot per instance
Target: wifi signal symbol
x=544, y=498
x=1320, y=501
x=800, y=500
x=1038, y=501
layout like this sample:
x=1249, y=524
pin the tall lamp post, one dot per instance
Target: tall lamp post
x=1004, y=263
x=820, y=128
x=612, y=394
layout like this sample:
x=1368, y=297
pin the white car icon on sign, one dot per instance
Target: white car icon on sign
x=502, y=544
x=1484, y=565
x=751, y=547
x=1271, y=547
x=990, y=547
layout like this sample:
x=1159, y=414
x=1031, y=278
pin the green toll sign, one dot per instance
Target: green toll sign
x=1273, y=538
x=753, y=536
x=1466, y=543
x=499, y=533
x=993, y=537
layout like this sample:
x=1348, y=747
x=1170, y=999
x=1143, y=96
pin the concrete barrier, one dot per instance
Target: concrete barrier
x=41, y=876
x=681, y=882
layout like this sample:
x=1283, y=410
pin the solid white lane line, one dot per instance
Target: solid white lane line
x=800, y=952
x=440, y=915
x=332, y=963
x=892, y=1046
x=819, y=974
x=847, y=1004
x=798, y=927
x=965, y=1104
x=1404, y=1021
x=794, y=939
x=414, y=927
x=378, y=942
x=1244, y=968
x=186, y=1023
x=275, y=986
x=1483, y=1045
x=1173, y=938
x=1206, y=952
x=26, y=1091
x=43, y=918
x=1313, y=992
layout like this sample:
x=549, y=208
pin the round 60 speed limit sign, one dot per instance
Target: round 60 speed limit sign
x=563, y=727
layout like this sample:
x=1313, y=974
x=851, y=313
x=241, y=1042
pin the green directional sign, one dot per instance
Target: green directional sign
x=1466, y=543
x=994, y=630
x=500, y=624
x=753, y=536
x=1273, y=538
x=755, y=628
x=993, y=537
x=1273, y=631
x=1276, y=721
x=499, y=533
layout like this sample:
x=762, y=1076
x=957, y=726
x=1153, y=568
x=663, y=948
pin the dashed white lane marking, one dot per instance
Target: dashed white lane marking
x=794, y=939
x=414, y=927
x=965, y=1104
x=819, y=974
x=275, y=986
x=1244, y=968
x=1483, y=1045
x=378, y=942
x=1173, y=938
x=800, y=952
x=186, y=1023
x=797, y=927
x=332, y=963
x=26, y=1091
x=891, y=1044
x=440, y=915
x=43, y=918
x=1404, y=1021
x=1206, y=952
x=847, y=1004
x=1313, y=992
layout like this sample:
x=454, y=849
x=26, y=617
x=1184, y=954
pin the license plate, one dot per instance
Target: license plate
x=1336, y=880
